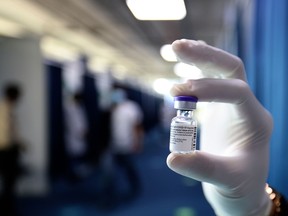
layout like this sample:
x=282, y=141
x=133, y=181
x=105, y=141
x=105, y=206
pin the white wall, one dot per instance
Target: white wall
x=21, y=61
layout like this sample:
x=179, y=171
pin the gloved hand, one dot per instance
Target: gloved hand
x=232, y=163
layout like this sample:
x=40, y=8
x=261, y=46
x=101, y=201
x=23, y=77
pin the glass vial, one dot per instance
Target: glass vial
x=183, y=131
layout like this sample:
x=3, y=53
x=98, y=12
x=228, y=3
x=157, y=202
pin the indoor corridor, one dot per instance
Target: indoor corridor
x=164, y=193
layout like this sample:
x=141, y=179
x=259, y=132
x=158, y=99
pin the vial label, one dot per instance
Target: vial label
x=183, y=138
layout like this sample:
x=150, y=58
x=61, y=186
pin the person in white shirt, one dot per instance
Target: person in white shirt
x=126, y=137
x=75, y=136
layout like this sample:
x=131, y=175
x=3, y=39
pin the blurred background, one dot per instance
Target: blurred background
x=68, y=60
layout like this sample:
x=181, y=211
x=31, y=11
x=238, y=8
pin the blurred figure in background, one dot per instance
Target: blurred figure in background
x=126, y=139
x=9, y=148
x=75, y=137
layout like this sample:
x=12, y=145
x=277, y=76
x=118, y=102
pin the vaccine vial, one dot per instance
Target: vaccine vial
x=183, y=131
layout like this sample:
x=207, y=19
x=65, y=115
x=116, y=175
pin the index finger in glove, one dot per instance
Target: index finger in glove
x=233, y=91
x=212, y=61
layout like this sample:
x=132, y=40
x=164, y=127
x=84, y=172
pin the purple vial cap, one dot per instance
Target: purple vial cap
x=186, y=98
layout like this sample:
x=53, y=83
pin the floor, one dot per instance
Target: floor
x=164, y=193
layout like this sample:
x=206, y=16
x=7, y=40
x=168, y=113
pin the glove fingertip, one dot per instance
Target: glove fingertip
x=182, y=163
x=198, y=165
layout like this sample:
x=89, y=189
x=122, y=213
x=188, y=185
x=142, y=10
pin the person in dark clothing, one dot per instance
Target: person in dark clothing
x=9, y=148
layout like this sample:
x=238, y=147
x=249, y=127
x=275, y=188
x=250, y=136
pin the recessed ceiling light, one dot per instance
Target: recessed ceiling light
x=157, y=9
x=187, y=71
x=167, y=53
x=162, y=86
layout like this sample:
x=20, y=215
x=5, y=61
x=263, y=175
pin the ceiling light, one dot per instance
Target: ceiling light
x=157, y=9
x=9, y=28
x=59, y=50
x=167, y=53
x=162, y=86
x=187, y=71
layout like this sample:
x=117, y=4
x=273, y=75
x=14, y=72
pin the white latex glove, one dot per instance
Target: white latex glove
x=232, y=163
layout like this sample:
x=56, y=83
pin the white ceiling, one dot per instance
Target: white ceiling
x=107, y=32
